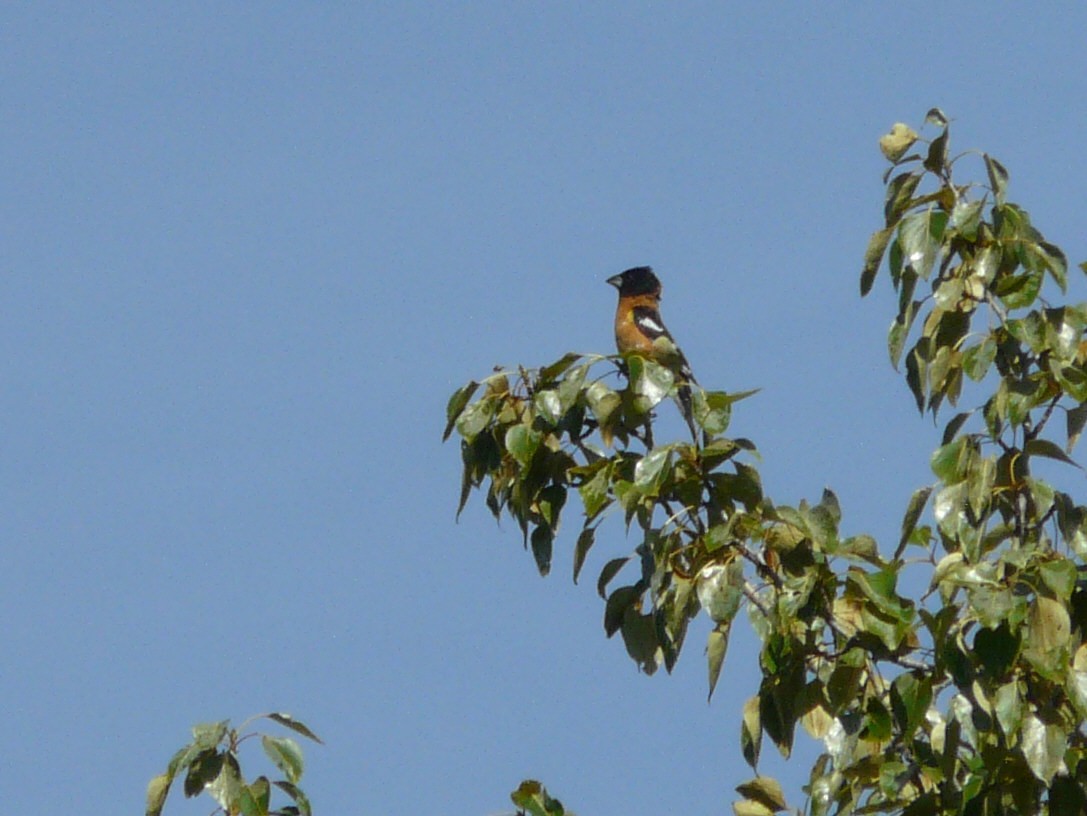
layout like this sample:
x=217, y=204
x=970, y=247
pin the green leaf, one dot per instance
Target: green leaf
x=1050, y=450
x=919, y=246
x=475, y=418
x=713, y=410
x=965, y=217
x=949, y=462
x=896, y=339
x=533, y=799
x=652, y=469
x=456, y=406
x=936, y=117
x=615, y=608
x=1008, y=707
x=873, y=257
x=1043, y=747
x=1048, y=632
x=1060, y=576
x=290, y=722
x=1075, y=421
x=584, y=543
x=751, y=732
x=157, y=789
x=594, y=491
x=650, y=382
x=977, y=359
x=202, y=771
x=550, y=502
x=747, y=807
x=522, y=442
x=954, y=426
x=610, y=570
x=1055, y=261
x=602, y=401
x=227, y=786
x=1018, y=291
x=899, y=196
x=716, y=646
x=543, y=537
x=254, y=799
x=550, y=372
x=936, y=160
x=296, y=794
x=720, y=590
x=911, y=695
x=548, y=404
x=209, y=735
x=285, y=755
x=897, y=142
x=765, y=790
x=998, y=178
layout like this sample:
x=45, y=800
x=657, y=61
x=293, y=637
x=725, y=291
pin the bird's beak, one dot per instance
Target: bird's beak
x=616, y=281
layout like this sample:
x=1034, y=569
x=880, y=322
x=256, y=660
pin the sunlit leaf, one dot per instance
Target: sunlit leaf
x=285, y=755
x=897, y=142
x=937, y=117
x=751, y=732
x=533, y=799
x=977, y=359
x=873, y=257
x=522, y=442
x=602, y=401
x=720, y=590
x=209, y=735
x=456, y=405
x=226, y=787
x=290, y=722
x=716, y=646
x=713, y=410
x=1043, y=747
x=157, y=789
x=965, y=217
x=764, y=789
x=747, y=807
x=919, y=245
x=998, y=178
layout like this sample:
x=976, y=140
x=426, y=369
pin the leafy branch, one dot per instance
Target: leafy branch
x=970, y=700
x=210, y=765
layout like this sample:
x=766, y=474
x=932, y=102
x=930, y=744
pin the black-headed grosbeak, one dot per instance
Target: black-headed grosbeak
x=640, y=329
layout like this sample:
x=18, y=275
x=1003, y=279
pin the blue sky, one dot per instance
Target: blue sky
x=249, y=249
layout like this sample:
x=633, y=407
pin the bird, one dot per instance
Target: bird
x=639, y=329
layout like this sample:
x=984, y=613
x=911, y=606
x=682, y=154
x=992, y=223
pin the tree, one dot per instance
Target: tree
x=210, y=765
x=968, y=699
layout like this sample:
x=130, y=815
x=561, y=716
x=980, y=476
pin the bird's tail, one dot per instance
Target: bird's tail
x=686, y=407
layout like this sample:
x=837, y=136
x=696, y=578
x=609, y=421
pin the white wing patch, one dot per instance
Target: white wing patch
x=650, y=325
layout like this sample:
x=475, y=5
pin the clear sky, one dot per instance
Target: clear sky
x=248, y=249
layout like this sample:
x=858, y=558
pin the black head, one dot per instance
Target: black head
x=637, y=281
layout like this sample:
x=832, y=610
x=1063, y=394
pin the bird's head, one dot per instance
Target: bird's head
x=637, y=281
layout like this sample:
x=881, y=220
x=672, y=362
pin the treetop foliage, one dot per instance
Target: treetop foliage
x=210, y=764
x=968, y=699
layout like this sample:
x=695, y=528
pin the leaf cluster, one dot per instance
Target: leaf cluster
x=209, y=764
x=968, y=700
